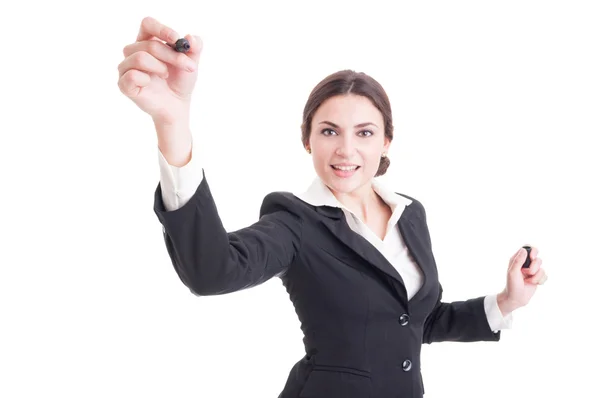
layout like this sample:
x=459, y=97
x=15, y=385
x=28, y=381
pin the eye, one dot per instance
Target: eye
x=325, y=131
x=366, y=133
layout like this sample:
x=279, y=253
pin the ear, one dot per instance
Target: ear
x=386, y=144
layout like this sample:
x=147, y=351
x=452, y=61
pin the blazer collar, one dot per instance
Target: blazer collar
x=318, y=194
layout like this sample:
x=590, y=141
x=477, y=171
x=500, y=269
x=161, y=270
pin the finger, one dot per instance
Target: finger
x=534, y=252
x=196, y=46
x=512, y=258
x=517, y=260
x=132, y=82
x=534, y=267
x=162, y=52
x=150, y=28
x=144, y=62
x=539, y=277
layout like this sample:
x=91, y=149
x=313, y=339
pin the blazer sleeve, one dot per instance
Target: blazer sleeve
x=459, y=321
x=211, y=261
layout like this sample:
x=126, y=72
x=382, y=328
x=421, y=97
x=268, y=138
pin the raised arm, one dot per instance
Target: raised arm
x=211, y=261
x=160, y=81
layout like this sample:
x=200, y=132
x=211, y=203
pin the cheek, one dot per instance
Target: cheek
x=321, y=157
x=372, y=156
x=322, y=150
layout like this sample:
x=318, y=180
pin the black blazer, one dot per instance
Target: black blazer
x=362, y=336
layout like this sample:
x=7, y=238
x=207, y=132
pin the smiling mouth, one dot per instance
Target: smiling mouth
x=345, y=168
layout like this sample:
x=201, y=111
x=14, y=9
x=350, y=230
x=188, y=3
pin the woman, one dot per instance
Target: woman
x=355, y=257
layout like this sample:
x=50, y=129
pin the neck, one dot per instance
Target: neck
x=362, y=201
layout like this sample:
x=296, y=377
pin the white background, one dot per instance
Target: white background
x=496, y=109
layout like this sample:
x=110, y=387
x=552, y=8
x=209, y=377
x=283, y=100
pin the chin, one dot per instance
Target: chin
x=345, y=184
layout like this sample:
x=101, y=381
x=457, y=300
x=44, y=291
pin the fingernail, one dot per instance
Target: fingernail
x=173, y=37
x=190, y=65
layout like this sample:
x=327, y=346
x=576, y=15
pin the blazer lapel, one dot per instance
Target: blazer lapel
x=335, y=222
x=412, y=233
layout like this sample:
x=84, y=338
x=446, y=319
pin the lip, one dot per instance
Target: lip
x=345, y=165
x=345, y=173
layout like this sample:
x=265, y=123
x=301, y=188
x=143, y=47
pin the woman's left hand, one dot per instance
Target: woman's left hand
x=521, y=283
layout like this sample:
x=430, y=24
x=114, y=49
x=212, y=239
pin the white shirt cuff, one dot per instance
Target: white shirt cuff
x=494, y=315
x=179, y=184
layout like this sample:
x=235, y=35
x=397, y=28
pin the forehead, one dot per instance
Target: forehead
x=348, y=108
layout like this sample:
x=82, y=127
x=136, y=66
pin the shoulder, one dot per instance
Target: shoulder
x=282, y=201
x=415, y=204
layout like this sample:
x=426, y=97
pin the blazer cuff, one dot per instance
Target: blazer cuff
x=494, y=315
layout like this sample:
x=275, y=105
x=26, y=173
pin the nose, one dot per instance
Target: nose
x=346, y=146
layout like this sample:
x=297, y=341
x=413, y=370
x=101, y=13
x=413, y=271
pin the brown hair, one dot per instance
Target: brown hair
x=349, y=82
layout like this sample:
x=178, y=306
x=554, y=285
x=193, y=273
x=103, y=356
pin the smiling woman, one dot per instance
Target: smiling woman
x=347, y=127
x=355, y=257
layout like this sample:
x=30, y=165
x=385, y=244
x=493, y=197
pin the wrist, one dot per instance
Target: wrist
x=505, y=304
x=174, y=142
x=170, y=121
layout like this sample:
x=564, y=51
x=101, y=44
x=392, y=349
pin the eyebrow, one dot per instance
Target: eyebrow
x=357, y=126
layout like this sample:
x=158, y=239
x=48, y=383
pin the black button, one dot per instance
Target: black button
x=406, y=365
x=404, y=319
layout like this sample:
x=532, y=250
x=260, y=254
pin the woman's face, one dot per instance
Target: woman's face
x=347, y=140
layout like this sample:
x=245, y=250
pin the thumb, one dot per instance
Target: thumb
x=517, y=261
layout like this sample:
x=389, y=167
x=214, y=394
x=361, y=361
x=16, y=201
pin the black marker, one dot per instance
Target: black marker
x=181, y=46
x=528, y=259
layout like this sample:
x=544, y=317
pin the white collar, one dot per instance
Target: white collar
x=318, y=194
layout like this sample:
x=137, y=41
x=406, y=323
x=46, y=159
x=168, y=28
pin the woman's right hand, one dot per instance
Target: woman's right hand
x=158, y=79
